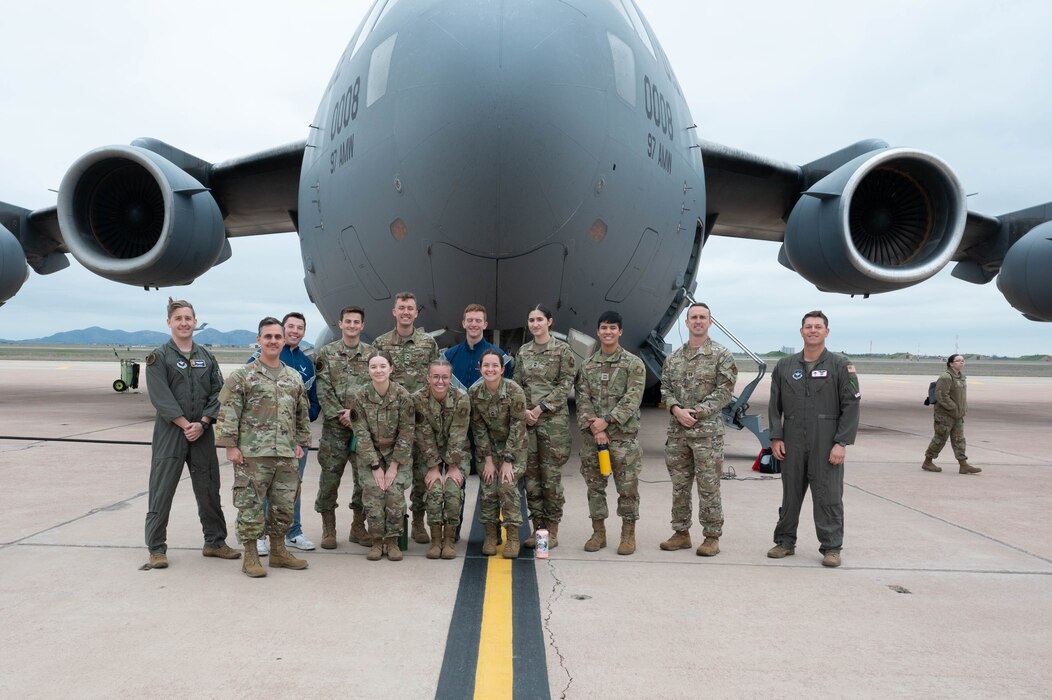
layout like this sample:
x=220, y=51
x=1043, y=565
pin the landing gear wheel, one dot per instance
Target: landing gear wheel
x=119, y=385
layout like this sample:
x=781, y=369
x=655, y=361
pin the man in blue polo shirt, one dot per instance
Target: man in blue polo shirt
x=465, y=356
x=295, y=326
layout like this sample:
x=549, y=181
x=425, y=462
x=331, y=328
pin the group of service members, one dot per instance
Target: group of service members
x=393, y=410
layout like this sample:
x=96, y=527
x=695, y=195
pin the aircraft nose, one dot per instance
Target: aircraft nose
x=499, y=122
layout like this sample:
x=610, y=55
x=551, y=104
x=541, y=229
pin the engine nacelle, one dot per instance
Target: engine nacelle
x=1026, y=274
x=131, y=216
x=883, y=221
x=13, y=268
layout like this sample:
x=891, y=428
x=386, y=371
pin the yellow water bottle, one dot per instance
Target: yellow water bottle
x=604, y=459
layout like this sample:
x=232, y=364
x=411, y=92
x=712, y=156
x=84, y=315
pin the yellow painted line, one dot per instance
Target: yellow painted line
x=494, y=674
x=63, y=366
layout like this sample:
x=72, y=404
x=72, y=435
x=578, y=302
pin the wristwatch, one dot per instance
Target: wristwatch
x=509, y=459
x=377, y=467
x=607, y=419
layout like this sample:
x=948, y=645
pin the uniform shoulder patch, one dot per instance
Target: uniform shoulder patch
x=151, y=358
x=851, y=369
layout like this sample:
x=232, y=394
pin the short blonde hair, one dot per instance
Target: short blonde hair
x=176, y=304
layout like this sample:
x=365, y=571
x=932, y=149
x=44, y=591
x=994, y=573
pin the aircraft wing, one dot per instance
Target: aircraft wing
x=150, y=214
x=870, y=218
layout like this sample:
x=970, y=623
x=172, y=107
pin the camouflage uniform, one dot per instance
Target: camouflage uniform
x=812, y=407
x=546, y=374
x=441, y=440
x=187, y=386
x=341, y=371
x=384, y=426
x=701, y=379
x=612, y=385
x=951, y=403
x=499, y=424
x=411, y=356
x=264, y=413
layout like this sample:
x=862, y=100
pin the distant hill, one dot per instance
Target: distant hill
x=105, y=336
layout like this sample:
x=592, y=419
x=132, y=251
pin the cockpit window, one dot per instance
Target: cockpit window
x=624, y=69
x=379, y=69
x=367, y=25
x=637, y=22
x=621, y=8
x=383, y=13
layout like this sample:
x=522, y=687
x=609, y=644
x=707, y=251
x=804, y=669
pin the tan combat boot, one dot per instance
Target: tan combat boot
x=930, y=466
x=831, y=558
x=251, y=565
x=222, y=551
x=449, y=542
x=628, y=537
x=419, y=533
x=553, y=535
x=435, y=550
x=359, y=534
x=280, y=558
x=598, y=539
x=967, y=468
x=393, y=552
x=489, y=544
x=377, y=549
x=680, y=540
x=158, y=560
x=511, y=546
x=531, y=541
x=780, y=552
x=328, y=529
x=709, y=548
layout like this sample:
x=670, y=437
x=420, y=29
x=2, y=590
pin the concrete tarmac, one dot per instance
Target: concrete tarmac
x=945, y=590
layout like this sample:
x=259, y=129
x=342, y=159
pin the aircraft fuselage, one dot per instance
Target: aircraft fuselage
x=508, y=154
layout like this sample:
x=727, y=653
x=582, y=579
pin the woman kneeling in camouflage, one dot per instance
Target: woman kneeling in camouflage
x=498, y=422
x=383, y=421
x=442, y=415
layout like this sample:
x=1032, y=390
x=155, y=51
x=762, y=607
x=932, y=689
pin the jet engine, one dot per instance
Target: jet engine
x=885, y=220
x=130, y=215
x=13, y=268
x=1024, y=278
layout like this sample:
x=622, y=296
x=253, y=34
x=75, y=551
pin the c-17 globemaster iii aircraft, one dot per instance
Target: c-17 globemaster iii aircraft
x=514, y=154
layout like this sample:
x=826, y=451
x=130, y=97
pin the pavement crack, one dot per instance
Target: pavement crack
x=557, y=590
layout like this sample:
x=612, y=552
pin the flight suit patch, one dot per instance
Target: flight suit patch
x=198, y=363
x=851, y=369
x=798, y=374
x=151, y=358
x=819, y=373
x=181, y=364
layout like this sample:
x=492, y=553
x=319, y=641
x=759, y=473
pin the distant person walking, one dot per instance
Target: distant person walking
x=951, y=403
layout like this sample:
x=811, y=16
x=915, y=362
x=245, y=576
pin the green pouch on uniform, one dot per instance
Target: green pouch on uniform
x=352, y=446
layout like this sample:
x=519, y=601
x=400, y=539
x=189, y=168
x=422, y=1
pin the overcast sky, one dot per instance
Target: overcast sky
x=966, y=80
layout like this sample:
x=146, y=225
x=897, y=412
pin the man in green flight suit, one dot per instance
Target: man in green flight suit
x=813, y=417
x=183, y=380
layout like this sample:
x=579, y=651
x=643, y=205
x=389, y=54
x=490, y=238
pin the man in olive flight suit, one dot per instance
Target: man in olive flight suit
x=184, y=381
x=813, y=417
